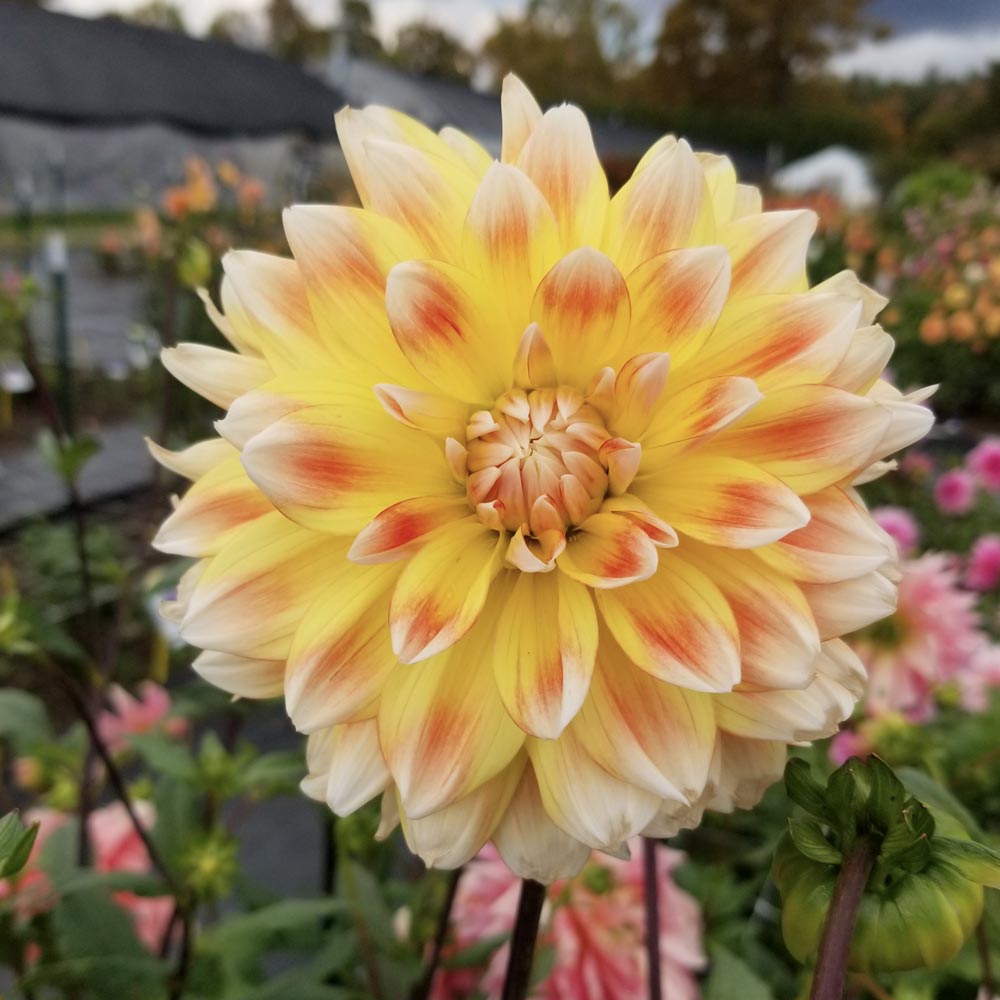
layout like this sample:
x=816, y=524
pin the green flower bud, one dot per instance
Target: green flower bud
x=210, y=866
x=194, y=264
x=923, y=897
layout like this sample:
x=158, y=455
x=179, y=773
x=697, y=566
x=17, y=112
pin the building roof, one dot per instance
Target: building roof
x=73, y=70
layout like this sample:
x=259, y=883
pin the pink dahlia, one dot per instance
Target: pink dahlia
x=955, y=492
x=130, y=715
x=932, y=638
x=901, y=525
x=982, y=572
x=984, y=463
x=595, y=923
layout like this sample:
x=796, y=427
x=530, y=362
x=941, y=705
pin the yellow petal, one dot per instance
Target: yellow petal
x=840, y=542
x=449, y=837
x=647, y=732
x=439, y=325
x=810, y=436
x=341, y=656
x=250, y=597
x=240, y=676
x=544, y=653
x=676, y=626
x=427, y=194
x=346, y=768
x=677, y=296
x=723, y=501
x=865, y=360
x=769, y=251
x=510, y=242
x=219, y=376
x=844, y=607
x=777, y=633
x=608, y=550
x=521, y=116
x=195, y=461
x=440, y=416
x=582, y=307
x=560, y=158
x=344, y=255
x=531, y=845
x=334, y=467
x=400, y=530
x=583, y=799
x=442, y=726
x=443, y=588
x=664, y=206
x=468, y=150
x=222, y=500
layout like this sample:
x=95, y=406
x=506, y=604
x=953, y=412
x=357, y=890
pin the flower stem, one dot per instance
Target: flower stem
x=652, y=897
x=422, y=989
x=835, y=945
x=522, y=945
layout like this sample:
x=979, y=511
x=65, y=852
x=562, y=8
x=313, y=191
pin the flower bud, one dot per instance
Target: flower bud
x=924, y=894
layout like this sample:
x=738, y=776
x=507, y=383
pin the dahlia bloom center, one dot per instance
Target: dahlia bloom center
x=540, y=461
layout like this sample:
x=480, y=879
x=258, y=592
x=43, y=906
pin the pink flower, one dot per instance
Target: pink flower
x=982, y=572
x=931, y=639
x=117, y=848
x=595, y=924
x=846, y=744
x=955, y=492
x=130, y=716
x=984, y=462
x=976, y=682
x=901, y=525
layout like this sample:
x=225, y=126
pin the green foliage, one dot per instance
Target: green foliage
x=67, y=456
x=16, y=841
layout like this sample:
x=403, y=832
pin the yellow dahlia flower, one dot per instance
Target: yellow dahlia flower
x=535, y=503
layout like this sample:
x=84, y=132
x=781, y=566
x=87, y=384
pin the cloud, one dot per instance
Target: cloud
x=912, y=57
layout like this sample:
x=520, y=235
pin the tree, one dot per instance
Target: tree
x=356, y=29
x=577, y=49
x=235, y=27
x=427, y=50
x=158, y=14
x=293, y=37
x=751, y=52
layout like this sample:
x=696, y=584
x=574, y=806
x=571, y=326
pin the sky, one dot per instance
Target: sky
x=953, y=38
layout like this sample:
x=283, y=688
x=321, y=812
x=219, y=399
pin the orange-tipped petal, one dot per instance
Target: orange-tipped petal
x=398, y=531
x=334, y=467
x=582, y=307
x=440, y=327
x=560, y=158
x=583, y=799
x=654, y=735
x=442, y=726
x=637, y=389
x=544, y=655
x=677, y=296
x=665, y=205
x=443, y=588
x=608, y=550
x=723, y=501
x=677, y=626
x=341, y=656
x=440, y=416
x=769, y=251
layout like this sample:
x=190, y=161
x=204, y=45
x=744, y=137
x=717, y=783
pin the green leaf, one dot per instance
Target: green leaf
x=975, y=861
x=16, y=841
x=729, y=977
x=272, y=773
x=803, y=789
x=164, y=755
x=886, y=794
x=927, y=790
x=24, y=722
x=811, y=842
x=124, y=977
x=67, y=456
x=86, y=879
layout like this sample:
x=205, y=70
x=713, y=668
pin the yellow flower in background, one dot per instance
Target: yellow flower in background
x=535, y=503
